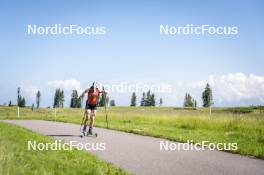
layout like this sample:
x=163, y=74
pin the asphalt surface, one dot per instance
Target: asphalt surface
x=142, y=154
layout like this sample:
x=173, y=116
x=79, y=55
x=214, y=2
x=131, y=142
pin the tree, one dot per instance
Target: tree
x=74, y=99
x=188, y=101
x=58, y=99
x=160, y=102
x=103, y=99
x=148, y=99
x=38, y=98
x=207, y=96
x=79, y=102
x=10, y=103
x=143, y=99
x=133, y=99
x=21, y=102
x=101, y=102
x=18, y=96
x=61, y=98
x=152, y=100
x=112, y=102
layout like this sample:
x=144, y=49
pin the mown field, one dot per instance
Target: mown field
x=16, y=159
x=245, y=126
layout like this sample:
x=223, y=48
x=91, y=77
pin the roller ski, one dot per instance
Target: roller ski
x=88, y=133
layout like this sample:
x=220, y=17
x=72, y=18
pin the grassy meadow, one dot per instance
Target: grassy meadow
x=245, y=126
x=15, y=159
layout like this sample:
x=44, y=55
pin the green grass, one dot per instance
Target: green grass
x=225, y=125
x=15, y=159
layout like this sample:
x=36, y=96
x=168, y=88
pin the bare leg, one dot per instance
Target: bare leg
x=87, y=117
x=92, y=118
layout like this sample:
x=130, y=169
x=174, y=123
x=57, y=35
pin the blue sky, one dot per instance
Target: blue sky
x=132, y=50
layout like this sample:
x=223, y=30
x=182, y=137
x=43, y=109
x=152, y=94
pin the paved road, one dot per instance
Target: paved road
x=142, y=155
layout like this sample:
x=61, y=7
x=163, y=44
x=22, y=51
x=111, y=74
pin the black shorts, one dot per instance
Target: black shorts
x=90, y=106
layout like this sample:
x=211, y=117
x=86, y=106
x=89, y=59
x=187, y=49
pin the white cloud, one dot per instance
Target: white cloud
x=235, y=89
x=68, y=85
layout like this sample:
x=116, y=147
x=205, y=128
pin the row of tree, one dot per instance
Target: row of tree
x=207, y=98
x=148, y=99
x=58, y=102
x=189, y=101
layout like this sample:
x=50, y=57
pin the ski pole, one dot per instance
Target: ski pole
x=106, y=117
